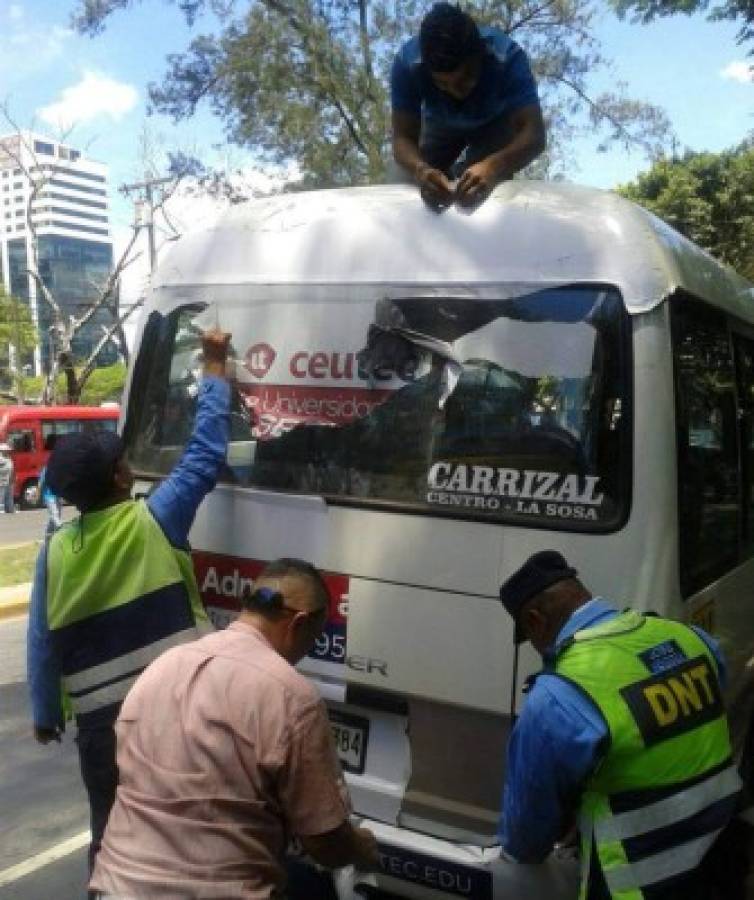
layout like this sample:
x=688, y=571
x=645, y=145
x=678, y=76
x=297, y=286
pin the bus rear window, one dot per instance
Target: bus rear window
x=511, y=410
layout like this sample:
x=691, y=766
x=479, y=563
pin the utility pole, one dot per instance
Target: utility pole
x=147, y=187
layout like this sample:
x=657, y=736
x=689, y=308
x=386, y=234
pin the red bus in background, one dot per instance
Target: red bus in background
x=28, y=429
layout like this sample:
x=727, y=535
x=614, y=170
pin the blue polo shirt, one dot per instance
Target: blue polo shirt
x=505, y=84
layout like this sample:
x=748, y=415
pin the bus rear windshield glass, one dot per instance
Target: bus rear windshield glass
x=512, y=410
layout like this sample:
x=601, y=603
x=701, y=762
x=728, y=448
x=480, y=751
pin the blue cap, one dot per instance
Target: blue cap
x=81, y=467
x=540, y=570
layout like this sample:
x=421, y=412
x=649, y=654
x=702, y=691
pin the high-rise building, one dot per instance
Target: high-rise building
x=74, y=243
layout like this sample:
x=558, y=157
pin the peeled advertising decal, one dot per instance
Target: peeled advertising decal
x=319, y=387
x=523, y=492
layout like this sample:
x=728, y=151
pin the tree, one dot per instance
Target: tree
x=707, y=197
x=18, y=337
x=645, y=11
x=305, y=81
x=65, y=326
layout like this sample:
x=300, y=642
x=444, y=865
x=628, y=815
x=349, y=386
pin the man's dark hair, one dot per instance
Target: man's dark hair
x=448, y=36
x=262, y=601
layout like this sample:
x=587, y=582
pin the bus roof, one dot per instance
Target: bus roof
x=528, y=233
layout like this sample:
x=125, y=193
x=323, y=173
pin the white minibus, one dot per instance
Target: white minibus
x=421, y=401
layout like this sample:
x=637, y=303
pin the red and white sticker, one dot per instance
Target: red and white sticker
x=224, y=579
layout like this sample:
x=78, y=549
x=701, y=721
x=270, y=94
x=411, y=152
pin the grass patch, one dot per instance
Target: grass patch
x=17, y=564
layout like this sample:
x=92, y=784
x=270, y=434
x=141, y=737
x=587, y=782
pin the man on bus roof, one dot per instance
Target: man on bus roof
x=465, y=106
x=116, y=587
x=624, y=734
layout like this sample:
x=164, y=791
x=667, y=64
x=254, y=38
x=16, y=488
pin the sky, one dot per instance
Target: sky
x=53, y=79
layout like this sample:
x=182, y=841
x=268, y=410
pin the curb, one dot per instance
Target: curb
x=14, y=600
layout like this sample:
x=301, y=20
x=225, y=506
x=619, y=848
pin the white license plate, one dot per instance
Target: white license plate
x=351, y=734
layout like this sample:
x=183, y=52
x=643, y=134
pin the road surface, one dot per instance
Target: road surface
x=29, y=525
x=41, y=796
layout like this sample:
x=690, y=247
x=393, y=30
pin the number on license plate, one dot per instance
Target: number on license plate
x=350, y=734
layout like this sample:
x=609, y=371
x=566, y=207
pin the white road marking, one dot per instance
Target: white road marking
x=8, y=876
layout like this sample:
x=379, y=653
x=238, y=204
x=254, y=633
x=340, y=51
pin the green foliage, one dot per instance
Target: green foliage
x=103, y=385
x=707, y=197
x=645, y=11
x=16, y=325
x=304, y=82
x=18, y=337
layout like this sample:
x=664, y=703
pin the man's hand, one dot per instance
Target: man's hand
x=477, y=183
x=436, y=190
x=345, y=845
x=215, y=344
x=46, y=735
x=369, y=857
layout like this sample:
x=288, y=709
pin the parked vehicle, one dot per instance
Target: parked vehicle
x=28, y=431
x=423, y=401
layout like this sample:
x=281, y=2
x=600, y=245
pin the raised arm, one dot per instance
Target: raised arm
x=175, y=502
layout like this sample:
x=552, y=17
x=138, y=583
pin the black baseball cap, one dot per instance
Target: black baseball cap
x=540, y=570
x=82, y=466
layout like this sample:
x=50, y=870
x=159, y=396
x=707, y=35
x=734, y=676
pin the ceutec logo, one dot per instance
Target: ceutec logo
x=259, y=359
x=313, y=365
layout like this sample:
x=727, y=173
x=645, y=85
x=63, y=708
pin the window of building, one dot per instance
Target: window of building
x=20, y=226
x=77, y=187
x=18, y=185
x=79, y=201
x=76, y=227
x=77, y=213
x=65, y=170
x=44, y=147
x=707, y=431
x=18, y=172
x=64, y=153
x=19, y=199
x=75, y=154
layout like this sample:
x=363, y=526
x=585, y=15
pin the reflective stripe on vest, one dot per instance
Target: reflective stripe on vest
x=665, y=786
x=118, y=595
x=671, y=810
x=659, y=866
x=109, y=682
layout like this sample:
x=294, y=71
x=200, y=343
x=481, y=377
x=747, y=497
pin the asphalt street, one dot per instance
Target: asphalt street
x=29, y=525
x=42, y=800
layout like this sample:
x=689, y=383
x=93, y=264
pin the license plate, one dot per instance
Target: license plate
x=351, y=734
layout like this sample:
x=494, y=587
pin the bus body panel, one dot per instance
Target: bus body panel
x=417, y=663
